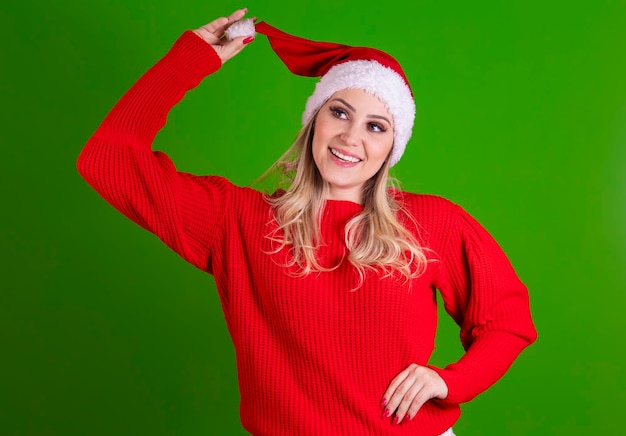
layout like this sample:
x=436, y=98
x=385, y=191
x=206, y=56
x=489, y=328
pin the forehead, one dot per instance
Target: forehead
x=362, y=101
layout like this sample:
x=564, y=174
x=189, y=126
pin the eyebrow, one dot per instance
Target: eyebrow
x=354, y=110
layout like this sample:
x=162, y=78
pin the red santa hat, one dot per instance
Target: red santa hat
x=344, y=67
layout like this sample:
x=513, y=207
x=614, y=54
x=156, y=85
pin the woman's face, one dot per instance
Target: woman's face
x=352, y=138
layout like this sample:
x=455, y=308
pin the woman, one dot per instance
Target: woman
x=327, y=286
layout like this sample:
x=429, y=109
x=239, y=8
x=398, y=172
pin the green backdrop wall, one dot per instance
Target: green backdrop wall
x=521, y=118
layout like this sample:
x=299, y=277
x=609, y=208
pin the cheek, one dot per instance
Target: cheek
x=382, y=151
x=316, y=145
x=323, y=127
x=321, y=136
x=318, y=152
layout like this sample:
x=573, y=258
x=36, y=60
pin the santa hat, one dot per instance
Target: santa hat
x=344, y=67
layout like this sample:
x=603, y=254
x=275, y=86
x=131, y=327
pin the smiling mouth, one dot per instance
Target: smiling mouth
x=343, y=157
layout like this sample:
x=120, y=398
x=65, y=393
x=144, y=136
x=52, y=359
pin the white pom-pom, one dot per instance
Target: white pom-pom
x=240, y=28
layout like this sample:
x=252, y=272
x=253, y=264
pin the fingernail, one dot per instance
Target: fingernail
x=383, y=403
x=396, y=421
x=248, y=40
x=386, y=413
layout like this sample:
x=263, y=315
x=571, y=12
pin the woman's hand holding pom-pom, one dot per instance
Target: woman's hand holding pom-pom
x=226, y=42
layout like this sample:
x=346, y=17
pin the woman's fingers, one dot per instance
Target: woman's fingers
x=231, y=48
x=237, y=15
x=212, y=33
x=409, y=390
x=414, y=398
x=219, y=26
x=393, y=395
x=399, y=395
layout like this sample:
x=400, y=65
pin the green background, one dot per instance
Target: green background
x=521, y=118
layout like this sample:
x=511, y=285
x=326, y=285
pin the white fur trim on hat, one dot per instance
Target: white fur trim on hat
x=381, y=81
x=240, y=28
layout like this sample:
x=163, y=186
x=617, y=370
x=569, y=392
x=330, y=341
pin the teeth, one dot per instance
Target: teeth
x=344, y=157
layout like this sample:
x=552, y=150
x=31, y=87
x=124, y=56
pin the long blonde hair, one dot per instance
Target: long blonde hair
x=375, y=238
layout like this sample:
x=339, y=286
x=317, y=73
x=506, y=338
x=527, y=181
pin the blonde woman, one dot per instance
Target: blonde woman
x=328, y=285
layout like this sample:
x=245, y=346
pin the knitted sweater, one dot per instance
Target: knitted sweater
x=314, y=356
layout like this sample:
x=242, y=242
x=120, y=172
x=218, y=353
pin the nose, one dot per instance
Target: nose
x=351, y=135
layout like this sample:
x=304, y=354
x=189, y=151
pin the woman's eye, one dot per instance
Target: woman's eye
x=338, y=113
x=375, y=127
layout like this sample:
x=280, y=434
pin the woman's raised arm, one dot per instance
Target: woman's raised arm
x=183, y=210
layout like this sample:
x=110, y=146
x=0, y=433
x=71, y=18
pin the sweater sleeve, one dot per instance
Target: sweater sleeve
x=483, y=294
x=183, y=210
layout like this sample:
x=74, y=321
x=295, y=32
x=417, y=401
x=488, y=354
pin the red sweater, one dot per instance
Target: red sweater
x=313, y=358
